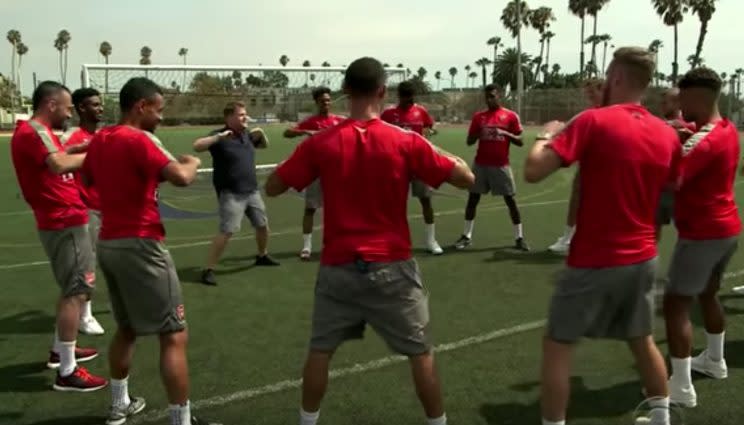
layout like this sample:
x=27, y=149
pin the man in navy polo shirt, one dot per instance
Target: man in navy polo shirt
x=233, y=150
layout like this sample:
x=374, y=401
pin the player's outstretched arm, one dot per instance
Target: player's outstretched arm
x=275, y=186
x=61, y=162
x=542, y=160
x=291, y=133
x=183, y=171
x=461, y=176
x=203, y=144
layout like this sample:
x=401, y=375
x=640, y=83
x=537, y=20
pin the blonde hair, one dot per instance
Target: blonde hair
x=638, y=63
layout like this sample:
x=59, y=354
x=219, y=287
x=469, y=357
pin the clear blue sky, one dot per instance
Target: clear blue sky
x=433, y=34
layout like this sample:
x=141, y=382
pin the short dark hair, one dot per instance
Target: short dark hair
x=364, y=77
x=406, y=89
x=320, y=91
x=231, y=107
x=701, y=77
x=79, y=96
x=491, y=87
x=136, y=89
x=44, y=91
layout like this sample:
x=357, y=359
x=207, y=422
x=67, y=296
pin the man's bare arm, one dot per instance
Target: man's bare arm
x=62, y=162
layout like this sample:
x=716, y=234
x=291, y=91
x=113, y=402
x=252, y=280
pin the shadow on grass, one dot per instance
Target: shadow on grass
x=25, y=378
x=615, y=401
x=232, y=265
x=509, y=253
x=27, y=322
x=76, y=420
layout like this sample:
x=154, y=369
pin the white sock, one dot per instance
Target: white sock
x=468, y=229
x=309, y=418
x=569, y=232
x=307, y=242
x=659, y=414
x=547, y=422
x=180, y=414
x=120, y=392
x=442, y=420
x=87, y=311
x=682, y=372
x=715, y=346
x=518, y=231
x=430, y=233
x=67, y=362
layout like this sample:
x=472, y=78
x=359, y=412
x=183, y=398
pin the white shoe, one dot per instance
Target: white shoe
x=738, y=290
x=685, y=397
x=90, y=326
x=703, y=364
x=561, y=246
x=434, y=248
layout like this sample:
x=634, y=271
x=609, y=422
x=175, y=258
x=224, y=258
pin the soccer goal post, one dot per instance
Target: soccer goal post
x=196, y=94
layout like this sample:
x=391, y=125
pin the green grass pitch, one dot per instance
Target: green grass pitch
x=248, y=336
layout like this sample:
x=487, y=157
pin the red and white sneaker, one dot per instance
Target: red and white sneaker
x=80, y=380
x=81, y=355
x=305, y=254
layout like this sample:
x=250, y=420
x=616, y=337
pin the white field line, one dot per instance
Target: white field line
x=296, y=231
x=339, y=373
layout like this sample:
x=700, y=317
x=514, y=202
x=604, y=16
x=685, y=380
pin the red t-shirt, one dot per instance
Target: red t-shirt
x=125, y=164
x=415, y=118
x=54, y=198
x=319, y=122
x=365, y=168
x=704, y=206
x=627, y=158
x=493, y=148
x=88, y=194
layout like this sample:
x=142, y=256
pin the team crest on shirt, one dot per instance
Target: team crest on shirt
x=181, y=312
x=90, y=278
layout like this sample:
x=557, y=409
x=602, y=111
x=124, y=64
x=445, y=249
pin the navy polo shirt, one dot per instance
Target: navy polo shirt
x=234, y=163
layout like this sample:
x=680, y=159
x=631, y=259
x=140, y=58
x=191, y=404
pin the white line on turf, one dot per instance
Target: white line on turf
x=347, y=371
x=297, y=230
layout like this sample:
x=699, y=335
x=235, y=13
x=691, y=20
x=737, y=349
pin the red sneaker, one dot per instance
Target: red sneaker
x=81, y=355
x=80, y=380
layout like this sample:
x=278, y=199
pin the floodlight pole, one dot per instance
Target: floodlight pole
x=520, y=76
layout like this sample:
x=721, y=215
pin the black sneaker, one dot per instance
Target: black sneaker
x=208, y=278
x=198, y=421
x=265, y=260
x=521, y=245
x=463, y=242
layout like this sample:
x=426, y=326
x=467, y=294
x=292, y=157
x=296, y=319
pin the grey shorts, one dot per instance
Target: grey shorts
x=499, y=181
x=143, y=285
x=94, y=228
x=695, y=263
x=388, y=296
x=313, y=196
x=665, y=212
x=420, y=190
x=233, y=206
x=611, y=303
x=71, y=256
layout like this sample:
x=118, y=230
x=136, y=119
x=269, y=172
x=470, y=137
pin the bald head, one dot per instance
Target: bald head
x=670, y=103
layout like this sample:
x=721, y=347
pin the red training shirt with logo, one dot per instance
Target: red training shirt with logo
x=493, y=148
x=319, y=122
x=414, y=118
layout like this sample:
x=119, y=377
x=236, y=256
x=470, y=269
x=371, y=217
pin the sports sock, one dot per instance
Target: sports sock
x=468, y=229
x=67, y=362
x=120, y=392
x=442, y=420
x=715, y=346
x=682, y=372
x=518, y=231
x=547, y=422
x=307, y=242
x=309, y=418
x=569, y=232
x=430, y=233
x=180, y=414
x=87, y=310
x=659, y=414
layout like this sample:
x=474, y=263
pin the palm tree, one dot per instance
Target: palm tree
x=654, y=48
x=284, y=60
x=312, y=78
x=547, y=36
x=22, y=50
x=496, y=43
x=658, y=77
x=105, y=50
x=507, y=68
x=421, y=73
x=306, y=64
x=62, y=44
x=183, y=53
x=672, y=12
x=472, y=76
x=695, y=61
x=438, y=77
x=540, y=20
x=145, y=57
x=452, y=73
x=467, y=69
x=739, y=74
x=483, y=63
x=704, y=9
x=515, y=15
x=592, y=9
x=325, y=64
x=14, y=38
x=578, y=9
x=605, y=40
